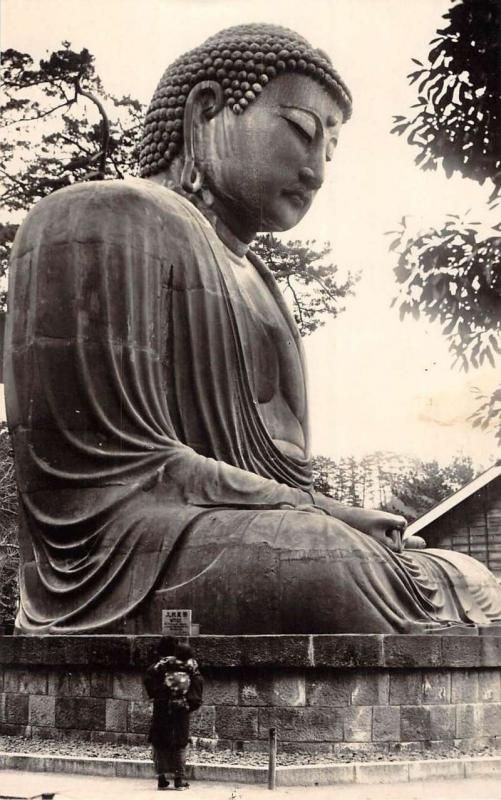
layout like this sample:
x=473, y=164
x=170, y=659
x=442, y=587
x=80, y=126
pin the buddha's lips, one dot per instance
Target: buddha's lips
x=298, y=197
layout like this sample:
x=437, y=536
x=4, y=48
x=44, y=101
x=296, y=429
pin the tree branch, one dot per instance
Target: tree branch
x=13, y=179
x=117, y=168
x=296, y=301
x=105, y=126
x=325, y=288
x=40, y=116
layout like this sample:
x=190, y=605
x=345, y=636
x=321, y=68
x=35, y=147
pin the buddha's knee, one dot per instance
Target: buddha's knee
x=257, y=572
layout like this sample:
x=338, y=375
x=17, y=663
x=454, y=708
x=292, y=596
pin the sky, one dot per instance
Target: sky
x=375, y=382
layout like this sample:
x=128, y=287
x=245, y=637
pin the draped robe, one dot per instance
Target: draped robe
x=147, y=476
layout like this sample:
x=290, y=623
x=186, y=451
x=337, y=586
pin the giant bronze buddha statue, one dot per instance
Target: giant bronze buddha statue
x=156, y=389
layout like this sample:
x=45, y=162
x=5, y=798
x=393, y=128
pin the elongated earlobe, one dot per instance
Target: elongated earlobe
x=207, y=96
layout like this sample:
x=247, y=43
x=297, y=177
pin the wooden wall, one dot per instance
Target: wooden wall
x=473, y=527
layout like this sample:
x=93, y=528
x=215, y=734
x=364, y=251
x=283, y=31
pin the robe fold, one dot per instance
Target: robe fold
x=118, y=315
x=138, y=439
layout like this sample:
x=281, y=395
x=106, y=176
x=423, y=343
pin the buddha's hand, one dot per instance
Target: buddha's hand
x=386, y=528
x=414, y=542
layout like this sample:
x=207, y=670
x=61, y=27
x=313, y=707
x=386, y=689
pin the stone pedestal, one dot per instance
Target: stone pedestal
x=322, y=693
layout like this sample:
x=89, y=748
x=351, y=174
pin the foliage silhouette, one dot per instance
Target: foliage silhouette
x=457, y=121
x=450, y=272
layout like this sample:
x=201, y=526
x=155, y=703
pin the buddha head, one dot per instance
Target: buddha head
x=246, y=123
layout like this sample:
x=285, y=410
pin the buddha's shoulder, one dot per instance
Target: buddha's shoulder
x=131, y=194
x=111, y=210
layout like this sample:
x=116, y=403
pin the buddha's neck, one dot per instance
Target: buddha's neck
x=204, y=201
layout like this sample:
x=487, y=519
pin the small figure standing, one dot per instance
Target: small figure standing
x=175, y=685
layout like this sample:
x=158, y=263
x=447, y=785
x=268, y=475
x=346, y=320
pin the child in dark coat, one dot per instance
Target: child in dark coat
x=175, y=685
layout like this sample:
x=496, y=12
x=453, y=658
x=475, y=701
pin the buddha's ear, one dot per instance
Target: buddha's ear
x=203, y=103
x=209, y=95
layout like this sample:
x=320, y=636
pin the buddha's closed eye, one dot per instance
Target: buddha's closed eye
x=301, y=121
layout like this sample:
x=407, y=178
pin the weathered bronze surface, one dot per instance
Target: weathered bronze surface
x=156, y=389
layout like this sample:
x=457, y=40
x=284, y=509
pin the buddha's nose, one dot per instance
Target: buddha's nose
x=312, y=179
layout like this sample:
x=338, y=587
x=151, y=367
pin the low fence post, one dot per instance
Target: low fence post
x=272, y=758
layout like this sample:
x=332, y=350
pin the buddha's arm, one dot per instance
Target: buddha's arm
x=206, y=482
x=195, y=479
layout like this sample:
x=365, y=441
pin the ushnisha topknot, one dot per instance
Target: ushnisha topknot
x=242, y=59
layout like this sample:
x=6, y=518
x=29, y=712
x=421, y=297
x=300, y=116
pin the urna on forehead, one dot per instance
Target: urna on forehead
x=242, y=60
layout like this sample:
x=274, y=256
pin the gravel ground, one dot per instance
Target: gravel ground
x=18, y=744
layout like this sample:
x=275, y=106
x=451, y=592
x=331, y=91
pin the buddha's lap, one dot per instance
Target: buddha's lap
x=256, y=571
x=288, y=535
x=280, y=531
x=251, y=571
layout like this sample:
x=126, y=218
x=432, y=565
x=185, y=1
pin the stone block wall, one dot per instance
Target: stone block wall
x=322, y=693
